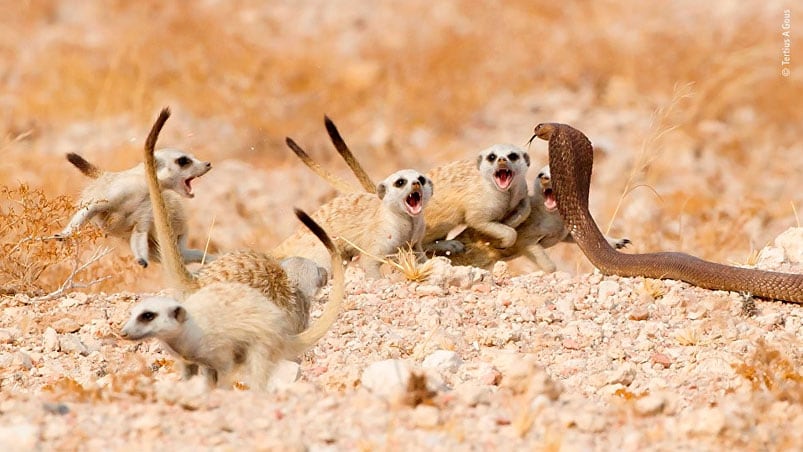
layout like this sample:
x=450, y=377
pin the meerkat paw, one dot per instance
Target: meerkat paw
x=619, y=243
x=446, y=248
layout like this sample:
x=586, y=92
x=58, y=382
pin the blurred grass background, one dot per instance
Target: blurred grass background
x=684, y=101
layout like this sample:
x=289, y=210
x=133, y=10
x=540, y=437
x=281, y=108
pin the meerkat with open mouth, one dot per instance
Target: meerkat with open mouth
x=282, y=284
x=376, y=224
x=543, y=229
x=118, y=202
x=488, y=194
x=230, y=329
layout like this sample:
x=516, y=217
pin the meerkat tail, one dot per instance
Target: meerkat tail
x=84, y=166
x=336, y=182
x=311, y=335
x=345, y=152
x=172, y=261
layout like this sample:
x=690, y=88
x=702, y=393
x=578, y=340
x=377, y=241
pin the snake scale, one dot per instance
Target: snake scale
x=570, y=161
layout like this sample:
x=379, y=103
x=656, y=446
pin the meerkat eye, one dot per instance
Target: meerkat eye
x=400, y=182
x=422, y=180
x=183, y=161
x=146, y=316
x=513, y=156
x=491, y=157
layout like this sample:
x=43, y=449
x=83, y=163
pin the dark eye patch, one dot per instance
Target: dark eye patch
x=400, y=182
x=146, y=316
x=541, y=175
x=183, y=161
x=491, y=157
x=513, y=156
x=422, y=180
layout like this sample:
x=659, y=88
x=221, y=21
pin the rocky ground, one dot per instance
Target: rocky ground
x=465, y=360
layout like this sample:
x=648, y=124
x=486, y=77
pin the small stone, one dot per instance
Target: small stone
x=639, y=314
x=22, y=360
x=50, y=340
x=286, y=373
x=6, y=336
x=522, y=373
x=571, y=344
x=387, y=378
x=661, y=359
x=500, y=271
x=70, y=343
x=190, y=394
x=650, y=405
x=791, y=241
x=623, y=375
x=472, y=394
x=66, y=325
x=442, y=360
x=56, y=408
x=426, y=416
x=429, y=290
x=606, y=290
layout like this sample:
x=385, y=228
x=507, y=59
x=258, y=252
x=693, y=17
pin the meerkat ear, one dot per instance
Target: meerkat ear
x=527, y=159
x=479, y=161
x=381, y=189
x=180, y=314
x=431, y=186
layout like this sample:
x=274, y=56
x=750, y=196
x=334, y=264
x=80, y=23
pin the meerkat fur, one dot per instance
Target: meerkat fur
x=488, y=194
x=226, y=329
x=117, y=202
x=543, y=229
x=375, y=224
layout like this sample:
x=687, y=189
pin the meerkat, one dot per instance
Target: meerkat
x=282, y=285
x=488, y=194
x=377, y=225
x=543, y=229
x=229, y=328
x=118, y=202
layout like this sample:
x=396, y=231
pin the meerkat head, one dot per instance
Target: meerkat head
x=408, y=189
x=305, y=275
x=176, y=169
x=504, y=164
x=159, y=317
x=543, y=182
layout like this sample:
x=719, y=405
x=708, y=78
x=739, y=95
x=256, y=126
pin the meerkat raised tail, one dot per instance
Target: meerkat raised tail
x=118, y=202
x=227, y=329
x=252, y=268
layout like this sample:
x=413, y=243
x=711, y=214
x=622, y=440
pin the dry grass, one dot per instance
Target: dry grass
x=769, y=370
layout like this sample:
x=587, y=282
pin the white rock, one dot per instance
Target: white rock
x=442, y=360
x=70, y=343
x=426, y=416
x=522, y=373
x=650, y=405
x=606, y=290
x=387, y=378
x=50, y=340
x=22, y=360
x=7, y=336
x=472, y=394
x=791, y=241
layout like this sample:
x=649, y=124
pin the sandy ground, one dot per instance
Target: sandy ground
x=540, y=361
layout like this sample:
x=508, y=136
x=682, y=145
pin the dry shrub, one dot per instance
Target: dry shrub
x=32, y=262
x=137, y=384
x=769, y=370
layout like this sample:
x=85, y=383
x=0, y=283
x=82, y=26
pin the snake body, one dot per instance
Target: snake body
x=570, y=161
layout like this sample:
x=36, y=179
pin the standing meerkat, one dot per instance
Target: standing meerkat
x=542, y=229
x=252, y=268
x=488, y=194
x=229, y=328
x=376, y=224
x=118, y=202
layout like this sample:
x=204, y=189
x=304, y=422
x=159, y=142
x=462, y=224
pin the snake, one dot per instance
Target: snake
x=570, y=161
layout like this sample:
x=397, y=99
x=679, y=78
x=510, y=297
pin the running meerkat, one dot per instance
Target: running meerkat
x=252, y=268
x=543, y=229
x=230, y=329
x=118, y=202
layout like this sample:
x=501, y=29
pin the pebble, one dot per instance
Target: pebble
x=442, y=360
x=661, y=359
x=7, y=336
x=426, y=416
x=50, y=340
x=650, y=405
x=66, y=325
x=606, y=290
x=70, y=343
x=286, y=373
x=791, y=241
x=639, y=314
x=387, y=378
x=472, y=394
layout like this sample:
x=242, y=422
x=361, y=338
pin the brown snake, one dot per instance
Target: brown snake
x=570, y=161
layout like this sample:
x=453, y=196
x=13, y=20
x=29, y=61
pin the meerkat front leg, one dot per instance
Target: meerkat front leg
x=371, y=267
x=520, y=213
x=83, y=215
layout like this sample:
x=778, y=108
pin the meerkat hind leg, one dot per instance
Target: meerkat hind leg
x=139, y=245
x=505, y=234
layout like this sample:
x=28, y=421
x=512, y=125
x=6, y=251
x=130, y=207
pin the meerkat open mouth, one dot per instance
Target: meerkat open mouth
x=550, y=202
x=188, y=187
x=414, y=203
x=503, y=178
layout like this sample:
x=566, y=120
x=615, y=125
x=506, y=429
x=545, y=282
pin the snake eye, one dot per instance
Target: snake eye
x=400, y=182
x=513, y=156
x=491, y=157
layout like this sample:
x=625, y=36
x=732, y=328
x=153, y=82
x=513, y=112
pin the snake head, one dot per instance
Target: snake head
x=544, y=131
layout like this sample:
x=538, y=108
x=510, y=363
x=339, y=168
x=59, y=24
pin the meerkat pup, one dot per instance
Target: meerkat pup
x=543, y=229
x=374, y=224
x=488, y=194
x=227, y=329
x=118, y=202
